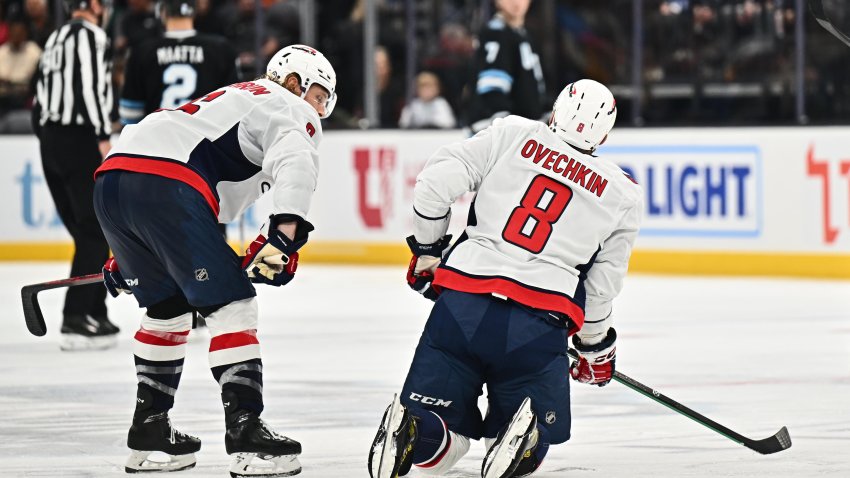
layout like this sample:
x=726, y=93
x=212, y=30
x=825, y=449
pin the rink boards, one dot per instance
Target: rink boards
x=749, y=201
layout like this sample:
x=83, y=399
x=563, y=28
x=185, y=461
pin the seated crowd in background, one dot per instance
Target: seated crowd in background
x=697, y=43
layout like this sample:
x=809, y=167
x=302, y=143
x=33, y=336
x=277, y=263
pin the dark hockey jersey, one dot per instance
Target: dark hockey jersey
x=507, y=77
x=172, y=70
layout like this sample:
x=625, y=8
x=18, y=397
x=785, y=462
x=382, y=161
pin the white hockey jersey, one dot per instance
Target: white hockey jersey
x=232, y=145
x=551, y=227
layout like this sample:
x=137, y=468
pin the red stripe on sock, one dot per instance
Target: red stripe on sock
x=156, y=337
x=233, y=340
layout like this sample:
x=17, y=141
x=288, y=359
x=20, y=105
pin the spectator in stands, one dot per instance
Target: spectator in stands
x=40, y=23
x=428, y=109
x=390, y=93
x=18, y=61
x=450, y=62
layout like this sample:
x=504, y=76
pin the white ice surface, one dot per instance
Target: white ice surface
x=751, y=354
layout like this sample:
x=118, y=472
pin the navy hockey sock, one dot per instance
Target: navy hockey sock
x=158, y=355
x=433, y=439
x=242, y=381
x=158, y=381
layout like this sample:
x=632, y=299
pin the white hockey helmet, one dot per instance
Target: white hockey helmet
x=310, y=66
x=583, y=114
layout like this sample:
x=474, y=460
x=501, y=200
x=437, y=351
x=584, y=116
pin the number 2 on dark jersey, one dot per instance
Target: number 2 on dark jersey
x=530, y=224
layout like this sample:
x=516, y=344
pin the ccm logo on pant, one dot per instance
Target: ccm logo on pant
x=430, y=401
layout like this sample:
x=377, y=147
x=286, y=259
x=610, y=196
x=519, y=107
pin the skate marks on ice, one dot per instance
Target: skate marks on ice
x=751, y=354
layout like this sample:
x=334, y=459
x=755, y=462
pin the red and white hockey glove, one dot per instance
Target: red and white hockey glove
x=595, y=364
x=273, y=258
x=113, y=280
x=426, y=258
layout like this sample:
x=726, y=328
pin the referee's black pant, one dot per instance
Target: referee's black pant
x=69, y=155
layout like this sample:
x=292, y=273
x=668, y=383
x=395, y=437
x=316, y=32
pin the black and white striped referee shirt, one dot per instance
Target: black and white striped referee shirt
x=75, y=79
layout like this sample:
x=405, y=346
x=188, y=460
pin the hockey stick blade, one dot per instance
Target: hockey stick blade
x=776, y=443
x=29, y=298
x=773, y=444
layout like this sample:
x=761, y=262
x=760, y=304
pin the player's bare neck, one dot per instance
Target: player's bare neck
x=513, y=22
x=179, y=23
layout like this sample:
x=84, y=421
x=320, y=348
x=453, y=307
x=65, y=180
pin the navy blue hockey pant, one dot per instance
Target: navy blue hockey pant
x=473, y=339
x=169, y=248
x=167, y=241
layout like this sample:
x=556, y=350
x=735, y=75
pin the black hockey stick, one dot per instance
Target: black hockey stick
x=29, y=298
x=776, y=443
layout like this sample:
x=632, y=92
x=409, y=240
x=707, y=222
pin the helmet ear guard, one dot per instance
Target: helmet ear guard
x=583, y=114
x=311, y=67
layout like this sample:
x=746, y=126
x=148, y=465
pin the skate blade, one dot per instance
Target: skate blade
x=389, y=452
x=78, y=343
x=246, y=465
x=504, y=452
x=141, y=462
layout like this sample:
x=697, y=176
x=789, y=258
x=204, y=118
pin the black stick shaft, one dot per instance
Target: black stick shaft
x=773, y=444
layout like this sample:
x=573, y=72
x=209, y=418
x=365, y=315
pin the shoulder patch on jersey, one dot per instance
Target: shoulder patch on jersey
x=311, y=130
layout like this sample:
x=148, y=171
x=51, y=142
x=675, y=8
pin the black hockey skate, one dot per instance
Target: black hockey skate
x=391, y=454
x=106, y=324
x=512, y=454
x=248, y=438
x=153, y=433
x=84, y=332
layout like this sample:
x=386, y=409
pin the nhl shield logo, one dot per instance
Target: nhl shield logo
x=201, y=275
x=550, y=417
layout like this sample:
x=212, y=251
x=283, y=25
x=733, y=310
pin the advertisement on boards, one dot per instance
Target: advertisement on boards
x=757, y=190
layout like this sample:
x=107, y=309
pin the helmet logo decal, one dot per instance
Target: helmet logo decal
x=580, y=127
x=305, y=48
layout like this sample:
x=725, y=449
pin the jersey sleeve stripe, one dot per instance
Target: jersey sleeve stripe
x=491, y=80
x=431, y=218
x=131, y=111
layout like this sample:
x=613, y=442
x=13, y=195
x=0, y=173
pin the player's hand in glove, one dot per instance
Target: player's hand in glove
x=595, y=364
x=113, y=280
x=273, y=258
x=426, y=258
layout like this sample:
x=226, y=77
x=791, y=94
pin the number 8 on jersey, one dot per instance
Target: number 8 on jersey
x=530, y=224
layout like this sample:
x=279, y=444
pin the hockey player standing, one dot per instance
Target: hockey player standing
x=507, y=78
x=543, y=255
x=159, y=196
x=182, y=65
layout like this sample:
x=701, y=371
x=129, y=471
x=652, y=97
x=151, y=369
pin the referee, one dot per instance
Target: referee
x=73, y=105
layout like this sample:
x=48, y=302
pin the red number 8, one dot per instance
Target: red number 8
x=543, y=217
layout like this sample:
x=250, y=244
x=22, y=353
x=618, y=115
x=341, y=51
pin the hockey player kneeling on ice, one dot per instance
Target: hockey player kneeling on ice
x=542, y=257
x=159, y=196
